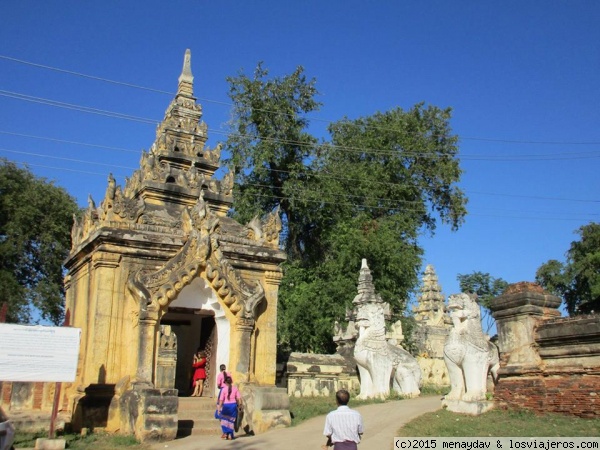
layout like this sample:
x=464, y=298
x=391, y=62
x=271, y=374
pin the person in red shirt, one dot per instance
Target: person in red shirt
x=199, y=367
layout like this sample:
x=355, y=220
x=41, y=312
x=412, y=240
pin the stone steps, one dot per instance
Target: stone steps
x=196, y=416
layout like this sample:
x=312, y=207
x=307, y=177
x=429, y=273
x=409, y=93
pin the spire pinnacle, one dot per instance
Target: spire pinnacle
x=186, y=79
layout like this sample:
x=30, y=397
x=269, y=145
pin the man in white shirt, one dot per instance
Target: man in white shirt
x=344, y=426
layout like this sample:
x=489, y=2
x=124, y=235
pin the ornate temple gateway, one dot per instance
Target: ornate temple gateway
x=158, y=271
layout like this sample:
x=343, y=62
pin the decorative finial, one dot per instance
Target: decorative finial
x=186, y=79
x=366, y=289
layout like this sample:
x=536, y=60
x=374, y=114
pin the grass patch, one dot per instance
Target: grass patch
x=432, y=389
x=304, y=408
x=98, y=441
x=500, y=423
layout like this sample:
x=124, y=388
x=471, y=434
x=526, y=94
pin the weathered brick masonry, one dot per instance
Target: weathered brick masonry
x=548, y=364
x=573, y=394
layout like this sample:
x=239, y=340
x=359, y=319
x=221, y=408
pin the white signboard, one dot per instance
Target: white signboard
x=38, y=353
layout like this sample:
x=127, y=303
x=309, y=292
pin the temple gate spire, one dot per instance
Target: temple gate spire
x=186, y=79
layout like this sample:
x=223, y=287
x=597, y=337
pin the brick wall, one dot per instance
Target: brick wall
x=548, y=363
x=5, y=391
x=564, y=393
x=37, y=396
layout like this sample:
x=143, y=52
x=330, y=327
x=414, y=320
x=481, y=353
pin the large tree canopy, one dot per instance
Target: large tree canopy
x=269, y=147
x=577, y=280
x=366, y=192
x=35, y=223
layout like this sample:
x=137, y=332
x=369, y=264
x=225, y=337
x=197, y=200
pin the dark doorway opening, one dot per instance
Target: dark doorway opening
x=194, y=331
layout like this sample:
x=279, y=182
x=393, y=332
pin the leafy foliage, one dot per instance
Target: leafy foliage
x=269, y=148
x=484, y=285
x=577, y=280
x=368, y=192
x=35, y=223
x=487, y=289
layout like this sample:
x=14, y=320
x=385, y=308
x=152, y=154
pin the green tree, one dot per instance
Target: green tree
x=35, y=223
x=487, y=289
x=577, y=280
x=269, y=146
x=385, y=178
x=367, y=192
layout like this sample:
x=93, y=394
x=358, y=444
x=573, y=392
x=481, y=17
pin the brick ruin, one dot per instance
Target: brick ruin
x=548, y=363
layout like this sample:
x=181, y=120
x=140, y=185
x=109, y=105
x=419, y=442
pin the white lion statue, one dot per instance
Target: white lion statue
x=380, y=362
x=468, y=353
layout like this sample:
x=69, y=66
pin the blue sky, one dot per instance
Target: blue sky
x=521, y=77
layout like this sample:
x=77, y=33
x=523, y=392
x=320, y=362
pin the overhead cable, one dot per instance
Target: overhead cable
x=384, y=152
x=160, y=91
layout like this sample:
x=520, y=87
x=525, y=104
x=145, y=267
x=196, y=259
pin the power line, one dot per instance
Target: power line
x=323, y=202
x=65, y=159
x=291, y=197
x=389, y=183
x=523, y=141
x=63, y=141
x=275, y=197
x=362, y=197
x=382, y=152
x=80, y=108
x=117, y=115
x=160, y=91
x=317, y=175
x=533, y=197
x=55, y=103
x=66, y=169
x=106, y=80
x=308, y=175
x=395, y=202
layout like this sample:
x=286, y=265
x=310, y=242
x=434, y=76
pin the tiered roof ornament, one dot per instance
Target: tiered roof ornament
x=366, y=289
x=345, y=337
x=433, y=326
x=173, y=174
x=431, y=309
x=186, y=79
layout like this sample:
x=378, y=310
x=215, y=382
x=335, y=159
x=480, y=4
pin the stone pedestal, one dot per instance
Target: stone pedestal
x=311, y=375
x=50, y=444
x=517, y=312
x=471, y=408
x=150, y=414
x=265, y=408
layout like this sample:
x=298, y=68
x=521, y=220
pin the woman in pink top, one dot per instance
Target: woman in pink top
x=221, y=376
x=229, y=402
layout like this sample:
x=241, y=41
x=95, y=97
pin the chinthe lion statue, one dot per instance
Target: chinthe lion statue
x=379, y=362
x=468, y=353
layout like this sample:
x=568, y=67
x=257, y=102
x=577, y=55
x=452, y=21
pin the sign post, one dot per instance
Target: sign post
x=57, y=387
x=35, y=353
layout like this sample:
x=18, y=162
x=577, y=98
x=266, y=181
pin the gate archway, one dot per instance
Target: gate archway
x=199, y=322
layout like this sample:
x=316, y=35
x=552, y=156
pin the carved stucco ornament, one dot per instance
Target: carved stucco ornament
x=266, y=230
x=156, y=288
x=115, y=207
